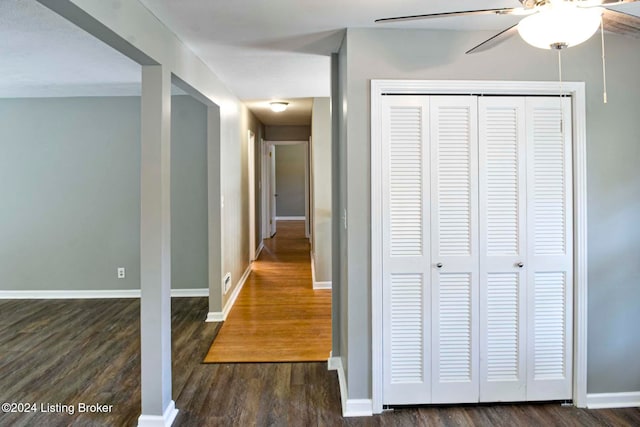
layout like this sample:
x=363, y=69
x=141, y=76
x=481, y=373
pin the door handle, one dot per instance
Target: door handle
x=520, y=265
x=439, y=265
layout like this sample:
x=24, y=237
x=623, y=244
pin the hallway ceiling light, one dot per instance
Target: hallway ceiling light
x=278, y=107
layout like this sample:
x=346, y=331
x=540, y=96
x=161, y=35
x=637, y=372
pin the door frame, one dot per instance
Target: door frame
x=577, y=92
x=264, y=188
x=267, y=189
x=251, y=170
x=267, y=184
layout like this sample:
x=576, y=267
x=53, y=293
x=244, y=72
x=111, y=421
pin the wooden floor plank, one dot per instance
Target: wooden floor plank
x=106, y=334
x=277, y=317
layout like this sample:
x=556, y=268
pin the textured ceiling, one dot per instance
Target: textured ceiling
x=261, y=49
x=42, y=54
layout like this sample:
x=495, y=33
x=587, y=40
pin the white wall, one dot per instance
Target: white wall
x=321, y=181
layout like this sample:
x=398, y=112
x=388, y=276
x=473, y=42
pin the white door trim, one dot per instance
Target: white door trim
x=306, y=178
x=477, y=87
x=264, y=188
x=251, y=163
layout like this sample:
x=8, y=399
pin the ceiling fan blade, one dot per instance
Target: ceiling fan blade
x=528, y=4
x=621, y=23
x=503, y=11
x=615, y=2
x=495, y=40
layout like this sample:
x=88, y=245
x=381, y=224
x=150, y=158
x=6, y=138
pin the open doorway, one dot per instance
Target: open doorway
x=286, y=189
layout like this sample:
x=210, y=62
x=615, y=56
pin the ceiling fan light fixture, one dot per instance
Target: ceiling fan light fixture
x=278, y=106
x=560, y=25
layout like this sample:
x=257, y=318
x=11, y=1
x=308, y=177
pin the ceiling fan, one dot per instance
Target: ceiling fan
x=549, y=24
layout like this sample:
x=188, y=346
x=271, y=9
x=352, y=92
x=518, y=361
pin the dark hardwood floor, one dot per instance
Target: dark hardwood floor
x=88, y=351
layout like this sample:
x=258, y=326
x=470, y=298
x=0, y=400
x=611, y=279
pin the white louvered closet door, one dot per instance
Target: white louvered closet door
x=502, y=179
x=454, y=239
x=406, y=259
x=549, y=265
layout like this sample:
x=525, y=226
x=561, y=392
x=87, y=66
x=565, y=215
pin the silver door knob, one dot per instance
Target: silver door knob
x=439, y=265
x=520, y=265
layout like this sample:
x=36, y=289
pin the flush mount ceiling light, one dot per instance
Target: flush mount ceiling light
x=558, y=25
x=278, y=106
x=548, y=23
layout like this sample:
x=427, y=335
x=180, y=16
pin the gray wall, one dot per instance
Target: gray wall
x=340, y=258
x=290, y=179
x=287, y=133
x=258, y=130
x=613, y=151
x=70, y=180
x=70, y=184
x=321, y=179
x=189, y=238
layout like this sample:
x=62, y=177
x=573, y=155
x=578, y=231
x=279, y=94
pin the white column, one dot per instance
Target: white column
x=158, y=409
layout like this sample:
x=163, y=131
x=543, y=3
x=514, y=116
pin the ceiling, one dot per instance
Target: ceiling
x=261, y=49
x=43, y=54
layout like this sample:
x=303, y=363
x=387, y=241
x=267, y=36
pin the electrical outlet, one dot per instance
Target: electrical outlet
x=227, y=282
x=121, y=273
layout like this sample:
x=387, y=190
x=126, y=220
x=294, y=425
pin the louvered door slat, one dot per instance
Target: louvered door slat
x=454, y=245
x=550, y=260
x=502, y=177
x=406, y=309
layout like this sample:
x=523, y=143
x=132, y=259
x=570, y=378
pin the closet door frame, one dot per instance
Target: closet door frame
x=576, y=90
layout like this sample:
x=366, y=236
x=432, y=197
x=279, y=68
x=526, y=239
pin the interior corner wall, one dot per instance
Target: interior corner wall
x=321, y=167
x=258, y=129
x=613, y=153
x=189, y=210
x=70, y=180
x=341, y=256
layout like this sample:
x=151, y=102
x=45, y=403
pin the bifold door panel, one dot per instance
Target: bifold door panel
x=477, y=252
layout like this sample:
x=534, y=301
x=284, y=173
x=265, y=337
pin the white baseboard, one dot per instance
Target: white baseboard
x=322, y=285
x=189, y=293
x=358, y=408
x=613, y=400
x=260, y=248
x=290, y=218
x=96, y=294
x=164, y=420
x=350, y=407
x=221, y=316
x=333, y=363
x=316, y=284
x=33, y=294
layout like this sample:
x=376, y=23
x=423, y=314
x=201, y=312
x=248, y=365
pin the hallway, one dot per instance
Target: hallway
x=278, y=317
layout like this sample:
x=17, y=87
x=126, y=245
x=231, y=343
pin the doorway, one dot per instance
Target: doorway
x=285, y=189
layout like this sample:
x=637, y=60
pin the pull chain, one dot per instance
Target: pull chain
x=604, y=68
x=561, y=92
x=560, y=70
